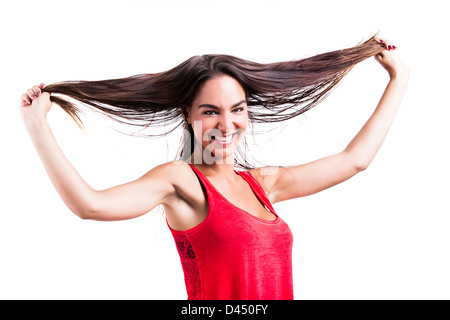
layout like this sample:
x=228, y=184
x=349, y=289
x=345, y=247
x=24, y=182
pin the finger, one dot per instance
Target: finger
x=380, y=57
x=36, y=90
x=31, y=94
x=25, y=98
x=387, y=44
x=390, y=46
x=381, y=41
x=42, y=85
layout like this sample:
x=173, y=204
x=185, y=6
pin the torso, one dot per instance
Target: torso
x=234, y=253
x=189, y=207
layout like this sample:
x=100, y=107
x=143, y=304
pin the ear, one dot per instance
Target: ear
x=185, y=113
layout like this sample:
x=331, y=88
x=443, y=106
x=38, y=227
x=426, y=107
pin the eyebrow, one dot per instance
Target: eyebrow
x=216, y=107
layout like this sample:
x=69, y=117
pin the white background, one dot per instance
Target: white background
x=381, y=235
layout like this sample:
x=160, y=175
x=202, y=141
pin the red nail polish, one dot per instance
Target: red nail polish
x=381, y=41
x=389, y=47
x=394, y=47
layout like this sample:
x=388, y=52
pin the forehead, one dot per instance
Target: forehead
x=220, y=90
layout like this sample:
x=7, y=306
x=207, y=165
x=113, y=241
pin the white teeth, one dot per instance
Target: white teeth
x=225, y=139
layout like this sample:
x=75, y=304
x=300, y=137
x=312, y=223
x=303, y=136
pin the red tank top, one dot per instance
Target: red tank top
x=234, y=255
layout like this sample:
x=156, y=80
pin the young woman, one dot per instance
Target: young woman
x=231, y=242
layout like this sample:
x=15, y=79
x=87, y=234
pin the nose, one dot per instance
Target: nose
x=225, y=122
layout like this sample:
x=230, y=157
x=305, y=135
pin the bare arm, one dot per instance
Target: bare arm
x=310, y=178
x=121, y=202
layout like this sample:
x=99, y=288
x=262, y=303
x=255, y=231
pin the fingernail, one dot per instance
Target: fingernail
x=41, y=85
x=33, y=96
x=389, y=47
x=394, y=47
x=37, y=94
x=381, y=41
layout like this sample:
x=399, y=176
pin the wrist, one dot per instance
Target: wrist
x=400, y=77
x=34, y=123
x=400, y=74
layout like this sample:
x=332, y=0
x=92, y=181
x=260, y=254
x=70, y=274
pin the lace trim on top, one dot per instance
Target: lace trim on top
x=190, y=267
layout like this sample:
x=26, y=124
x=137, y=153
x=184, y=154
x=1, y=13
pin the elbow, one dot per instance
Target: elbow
x=86, y=211
x=91, y=208
x=357, y=163
x=84, y=214
x=360, y=165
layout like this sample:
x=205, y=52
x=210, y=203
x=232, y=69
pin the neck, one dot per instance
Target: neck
x=212, y=166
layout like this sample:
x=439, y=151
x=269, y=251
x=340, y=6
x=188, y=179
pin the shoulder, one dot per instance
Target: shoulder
x=172, y=166
x=179, y=176
x=267, y=178
x=173, y=171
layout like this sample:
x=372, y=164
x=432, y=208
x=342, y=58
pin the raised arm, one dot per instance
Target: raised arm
x=297, y=181
x=118, y=203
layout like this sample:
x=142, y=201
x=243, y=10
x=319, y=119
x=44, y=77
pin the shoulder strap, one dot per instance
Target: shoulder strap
x=204, y=181
x=206, y=185
x=256, y=187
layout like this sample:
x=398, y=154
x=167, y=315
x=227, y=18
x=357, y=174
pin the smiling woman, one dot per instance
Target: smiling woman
x=274, y=92
x=232, y=244
x=220, y=124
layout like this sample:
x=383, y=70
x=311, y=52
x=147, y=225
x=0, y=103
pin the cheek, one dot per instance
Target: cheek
x=200, y=128
x=242, y=125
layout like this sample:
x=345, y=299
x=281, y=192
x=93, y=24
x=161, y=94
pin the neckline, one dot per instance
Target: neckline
x=277, y=218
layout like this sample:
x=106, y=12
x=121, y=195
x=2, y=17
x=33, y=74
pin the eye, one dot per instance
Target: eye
x=210, y=112
x=238, y=109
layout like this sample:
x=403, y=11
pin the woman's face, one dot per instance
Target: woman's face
x=219, y=118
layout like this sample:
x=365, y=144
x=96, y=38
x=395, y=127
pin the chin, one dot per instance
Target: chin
x=218, y=156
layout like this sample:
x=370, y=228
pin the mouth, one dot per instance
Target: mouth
x=223, y=140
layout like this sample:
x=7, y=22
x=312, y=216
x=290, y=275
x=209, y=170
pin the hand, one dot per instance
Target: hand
x=390, y=61
x=35, y=104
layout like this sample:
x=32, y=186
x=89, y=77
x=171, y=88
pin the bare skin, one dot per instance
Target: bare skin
x=175, y=185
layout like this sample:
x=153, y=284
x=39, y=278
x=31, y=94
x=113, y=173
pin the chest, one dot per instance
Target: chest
x=241, y=196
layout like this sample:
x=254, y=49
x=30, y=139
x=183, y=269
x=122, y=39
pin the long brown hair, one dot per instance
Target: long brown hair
x=274, y=91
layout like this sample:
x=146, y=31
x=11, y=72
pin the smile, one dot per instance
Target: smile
x=224, y=140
